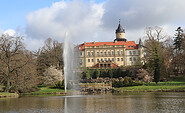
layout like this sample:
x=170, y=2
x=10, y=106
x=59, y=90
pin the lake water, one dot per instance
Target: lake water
x=159, y=102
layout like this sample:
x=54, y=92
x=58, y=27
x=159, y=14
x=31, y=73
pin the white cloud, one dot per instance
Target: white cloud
x=90, y=21
x=10, y=32
x=80, y=19
x=33, y=44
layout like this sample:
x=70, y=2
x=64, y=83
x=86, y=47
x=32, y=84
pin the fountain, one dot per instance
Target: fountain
x=70, y=62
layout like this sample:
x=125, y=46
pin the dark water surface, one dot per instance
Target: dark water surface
x=125, y=103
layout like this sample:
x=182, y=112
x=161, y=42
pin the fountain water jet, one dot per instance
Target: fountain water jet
x=70, y=62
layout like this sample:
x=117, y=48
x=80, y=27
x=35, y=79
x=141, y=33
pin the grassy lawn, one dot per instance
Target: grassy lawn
x=46, y=90
x=5, y=93
x=175, y=84
x=8, y=95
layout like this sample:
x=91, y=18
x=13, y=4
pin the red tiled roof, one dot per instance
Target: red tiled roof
x=128, y=44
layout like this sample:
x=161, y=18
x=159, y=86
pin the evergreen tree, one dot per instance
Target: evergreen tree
x=178, y=47
x=96, y=74
x=178, y=39
x=157, y=66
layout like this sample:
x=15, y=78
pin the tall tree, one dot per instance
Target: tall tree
x=157, y=65
x=49, y=55
x=178, y=49
x=14, y=60
x=153, y=49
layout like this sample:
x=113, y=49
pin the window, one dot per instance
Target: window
x=108, y=59
x=109, y=53
x=118, y=52
x=105, y=59
x=130, y=46
x=88, y=53
x=80, y=61
x=97, y=53
x=130, y=58
x=101, y=53
x=112, y=59
x=130, y=52
x=133, y=46
x=134, y=59
x=98, y=60
x=92, y=60
x=121, y=59
x=102, y=60
x=118, y=59
x=92, y=53
x=81, y=53
x=134, y=52
x=105, y=53
x=122, y=52
x=88, y=60
x=112, y=52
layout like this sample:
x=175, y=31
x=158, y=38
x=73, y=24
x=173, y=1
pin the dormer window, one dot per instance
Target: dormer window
x=130, y=46
x=133, y=46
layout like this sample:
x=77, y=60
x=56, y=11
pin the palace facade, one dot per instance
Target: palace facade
x=119, y=52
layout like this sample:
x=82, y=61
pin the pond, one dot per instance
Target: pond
x=125, y=103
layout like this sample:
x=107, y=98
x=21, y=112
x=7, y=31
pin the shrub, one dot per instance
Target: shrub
x=59, y=84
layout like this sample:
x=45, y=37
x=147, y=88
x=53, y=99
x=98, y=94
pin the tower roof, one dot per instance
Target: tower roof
x=120, y=29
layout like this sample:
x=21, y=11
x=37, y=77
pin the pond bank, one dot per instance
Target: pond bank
x=150, y=89
x=8, y=95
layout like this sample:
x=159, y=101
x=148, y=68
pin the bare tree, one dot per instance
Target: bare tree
x=49, y=55
x=10, y=50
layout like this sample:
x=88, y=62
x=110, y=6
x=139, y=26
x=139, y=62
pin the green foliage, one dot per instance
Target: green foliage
x=86, y=74
x=157, y=65
x=110, y=73
x=59, y=84
x=96, y=74
x=178, y=39
x=127, y=81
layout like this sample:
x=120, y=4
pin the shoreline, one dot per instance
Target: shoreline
x=159, y=90
x=9, y=95
x=114, y=91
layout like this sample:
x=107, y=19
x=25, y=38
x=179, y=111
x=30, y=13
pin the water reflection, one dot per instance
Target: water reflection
x=128, y=102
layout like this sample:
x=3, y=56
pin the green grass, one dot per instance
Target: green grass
x=175, y=84
x=8, y=95
x=151, y=88
x=5, y=93
x=46, y=90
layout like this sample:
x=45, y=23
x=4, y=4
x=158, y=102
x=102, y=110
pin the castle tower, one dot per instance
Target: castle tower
x=120, y=33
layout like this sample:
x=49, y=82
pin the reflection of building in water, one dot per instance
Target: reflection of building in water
x=120, y=52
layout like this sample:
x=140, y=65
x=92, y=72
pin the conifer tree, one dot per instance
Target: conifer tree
x=178, y=47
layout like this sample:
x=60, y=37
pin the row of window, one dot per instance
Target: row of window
x=132, y=46
x=105, y=59
x=105, y=53
x=109, y=59
x=134, y=59
x=109, y=53
x=132, y=52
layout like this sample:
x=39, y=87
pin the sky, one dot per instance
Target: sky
x=87, y=20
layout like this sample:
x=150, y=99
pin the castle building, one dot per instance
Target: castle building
x=119, y=52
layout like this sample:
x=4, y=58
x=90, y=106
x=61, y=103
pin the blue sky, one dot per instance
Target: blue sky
x=87, y=20
x=13, y=12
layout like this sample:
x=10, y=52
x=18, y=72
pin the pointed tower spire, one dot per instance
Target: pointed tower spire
x=120, y=33
x=120, y=28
